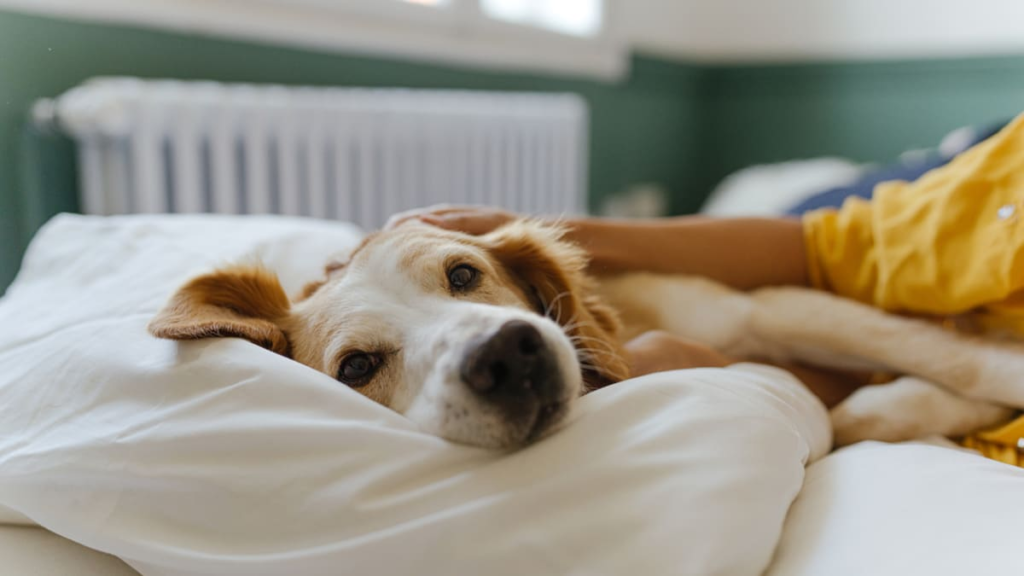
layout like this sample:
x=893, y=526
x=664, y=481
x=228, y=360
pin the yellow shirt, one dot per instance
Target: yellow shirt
x=949, y=244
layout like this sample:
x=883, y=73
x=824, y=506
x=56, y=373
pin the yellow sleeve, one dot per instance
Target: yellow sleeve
x=841, y=250
x=948, y=243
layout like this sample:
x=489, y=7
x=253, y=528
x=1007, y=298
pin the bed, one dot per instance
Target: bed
x=121, y=454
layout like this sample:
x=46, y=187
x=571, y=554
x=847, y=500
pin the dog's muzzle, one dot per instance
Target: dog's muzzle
x=512, y=365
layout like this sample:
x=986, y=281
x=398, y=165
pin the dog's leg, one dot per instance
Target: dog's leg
x=910, y=408
x=694, y=308
x=818, y=327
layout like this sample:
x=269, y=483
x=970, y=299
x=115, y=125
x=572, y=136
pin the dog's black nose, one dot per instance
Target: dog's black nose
x=513, y=359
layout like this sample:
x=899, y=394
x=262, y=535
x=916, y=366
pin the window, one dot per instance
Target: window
x=549, y=34
x=574, y=37
x=577, y=17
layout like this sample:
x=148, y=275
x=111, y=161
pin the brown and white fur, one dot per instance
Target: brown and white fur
x=498, y=362
x=950, y=384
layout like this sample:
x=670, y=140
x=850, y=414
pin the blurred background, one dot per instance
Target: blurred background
x=628, y=108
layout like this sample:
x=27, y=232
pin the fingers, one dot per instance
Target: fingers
x=470, y=222
x=420, y=213
x=468, y=219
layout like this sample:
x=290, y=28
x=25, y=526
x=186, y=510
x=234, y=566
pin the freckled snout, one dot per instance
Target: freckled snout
x=512, y=363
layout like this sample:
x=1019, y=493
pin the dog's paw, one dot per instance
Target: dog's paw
x=907, y=409
x=865, y=417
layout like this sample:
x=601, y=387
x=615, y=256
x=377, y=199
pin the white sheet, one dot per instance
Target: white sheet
x=772, y=189
x=899, y=509
x=218, y=457
x=32, y=551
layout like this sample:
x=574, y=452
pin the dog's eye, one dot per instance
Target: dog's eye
x=462, y=277
x=356, y=369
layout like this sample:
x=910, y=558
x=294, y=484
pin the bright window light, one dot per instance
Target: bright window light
x=427, y=2
x=577, y=17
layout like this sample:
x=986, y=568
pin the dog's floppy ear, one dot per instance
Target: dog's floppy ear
x=243, y=302
x=555, y=271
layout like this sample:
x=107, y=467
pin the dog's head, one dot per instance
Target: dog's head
x=485, y=340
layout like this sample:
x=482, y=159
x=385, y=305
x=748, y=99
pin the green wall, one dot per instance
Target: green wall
x=681, y=126
x=643, y=129
x=864, y=111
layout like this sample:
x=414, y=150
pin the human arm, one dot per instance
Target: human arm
x=744, y=253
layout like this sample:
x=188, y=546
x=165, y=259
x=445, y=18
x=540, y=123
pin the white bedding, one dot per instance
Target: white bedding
x=219, y=457
x=33, y=551
x=772, y=189
x=924, y=507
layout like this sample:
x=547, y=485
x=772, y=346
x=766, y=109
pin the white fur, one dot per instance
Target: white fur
x=393, y=302
x=910, y=408
x=439, y=401
x=958, y=383
x=384, y=302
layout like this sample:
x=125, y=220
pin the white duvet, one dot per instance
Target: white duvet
x=219, y=457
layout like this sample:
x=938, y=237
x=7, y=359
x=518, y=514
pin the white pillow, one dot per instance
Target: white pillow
x=29, y=551
x=220, y=457
x=772, y=189
x=912, y=508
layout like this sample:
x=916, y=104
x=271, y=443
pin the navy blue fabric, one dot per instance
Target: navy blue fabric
x=865, y=186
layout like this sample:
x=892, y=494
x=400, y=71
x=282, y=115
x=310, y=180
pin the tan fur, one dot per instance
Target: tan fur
x=392, y=300
x=527, y=266
x=332, y=267
x=557, y=270
x=955, y=383
x=243, y=301
x=310, y=288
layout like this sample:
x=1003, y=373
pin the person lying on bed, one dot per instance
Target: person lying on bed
x=949, y=245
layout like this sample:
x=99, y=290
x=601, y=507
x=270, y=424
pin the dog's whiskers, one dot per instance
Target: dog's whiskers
x=595, y=345
x=551, y=305
x=582, y=337
x=570, y=320
x=593, y=354
x=600, y=354
x=573, y=324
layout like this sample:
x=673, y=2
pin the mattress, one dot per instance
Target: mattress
x=264, y=467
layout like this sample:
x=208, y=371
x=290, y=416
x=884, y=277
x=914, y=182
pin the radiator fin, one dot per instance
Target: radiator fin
x=348, y=154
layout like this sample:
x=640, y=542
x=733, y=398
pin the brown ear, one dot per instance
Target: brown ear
x=555, y=270
x=242, y=302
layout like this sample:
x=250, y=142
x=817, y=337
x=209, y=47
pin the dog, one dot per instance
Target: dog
x=482, y=340
x=488, y=340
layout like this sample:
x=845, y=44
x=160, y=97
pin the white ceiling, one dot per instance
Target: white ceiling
x=787, y=30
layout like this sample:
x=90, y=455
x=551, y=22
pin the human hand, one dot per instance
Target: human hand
x=473, y=220
x=658, y=351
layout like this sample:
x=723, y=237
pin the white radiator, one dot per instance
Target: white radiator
x=349, y=154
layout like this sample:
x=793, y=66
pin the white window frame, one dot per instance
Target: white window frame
x=456, y=34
